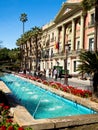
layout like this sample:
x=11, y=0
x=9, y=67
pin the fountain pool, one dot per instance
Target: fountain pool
x=41, y=103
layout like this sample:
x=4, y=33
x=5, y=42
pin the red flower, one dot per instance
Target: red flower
x=46, y=82
x=2, y=104
x=3, y=127
x=9, y=120
x=6, y=107
x=20, y=128
x=10, y=128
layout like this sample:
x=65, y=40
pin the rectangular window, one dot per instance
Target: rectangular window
x=92, y=18
x=52, y=39
x=74, y=66
x=91, y=44
x=78, y=45
x=51, y=65
x=43, y=66
x=49, y=37
x=51, y=52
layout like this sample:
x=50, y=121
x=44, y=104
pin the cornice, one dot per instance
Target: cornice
x=74, y=8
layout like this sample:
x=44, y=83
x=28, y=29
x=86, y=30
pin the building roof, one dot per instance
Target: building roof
x=68, y=7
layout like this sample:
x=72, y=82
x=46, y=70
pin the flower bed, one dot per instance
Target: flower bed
x=68, y=89
x=6, y=120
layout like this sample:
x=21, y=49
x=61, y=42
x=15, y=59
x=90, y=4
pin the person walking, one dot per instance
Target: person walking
x=55, y=74
x=44, y=73
x=49, y=73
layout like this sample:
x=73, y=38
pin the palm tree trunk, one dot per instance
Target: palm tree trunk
x=95, y=83
x=23, y=27
x=36, y=52
x=30, y=55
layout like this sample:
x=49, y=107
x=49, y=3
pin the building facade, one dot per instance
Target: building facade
x=70, y=32
x=72, y=28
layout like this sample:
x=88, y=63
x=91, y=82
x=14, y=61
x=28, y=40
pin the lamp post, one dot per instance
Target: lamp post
x=65, y=63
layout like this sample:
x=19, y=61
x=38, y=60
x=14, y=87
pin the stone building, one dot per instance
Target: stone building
x=70, y=28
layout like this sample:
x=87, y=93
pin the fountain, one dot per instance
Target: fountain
x=38, y=104
x=42, y=105
x=74, y=101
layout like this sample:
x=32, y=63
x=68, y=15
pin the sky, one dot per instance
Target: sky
x=39, y=13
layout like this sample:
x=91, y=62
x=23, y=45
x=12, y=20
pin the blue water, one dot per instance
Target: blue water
x=42, y=103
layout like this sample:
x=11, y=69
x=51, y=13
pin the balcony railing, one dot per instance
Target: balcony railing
x=91, y=23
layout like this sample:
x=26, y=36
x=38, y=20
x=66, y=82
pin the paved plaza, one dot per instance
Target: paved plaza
x=78, y=83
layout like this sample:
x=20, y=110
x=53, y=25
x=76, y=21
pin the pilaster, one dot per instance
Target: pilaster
x=63, y=37
x=81, y=32
x=73, y=35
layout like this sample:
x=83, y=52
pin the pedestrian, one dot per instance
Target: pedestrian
x=52, y=71
x=55, y=74
x=44, y=73
x=24, y=71
x=49, y=73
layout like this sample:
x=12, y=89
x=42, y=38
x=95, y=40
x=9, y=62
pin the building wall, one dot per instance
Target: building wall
x=72, y=28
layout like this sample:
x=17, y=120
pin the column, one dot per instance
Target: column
x=57, y=39
x=63, y=38
x=81, y=32
x=57, y=31
x=73, y=35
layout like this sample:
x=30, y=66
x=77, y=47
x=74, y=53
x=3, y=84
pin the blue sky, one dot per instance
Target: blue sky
x=39, y=13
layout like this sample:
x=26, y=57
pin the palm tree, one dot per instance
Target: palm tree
x=29, y=37
x=36, y=34
x=89, y=64
x=23, y=19
x=87, y=5
x=20, y=43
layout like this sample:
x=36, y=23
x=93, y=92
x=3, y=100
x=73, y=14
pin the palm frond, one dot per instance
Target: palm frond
x=88, y=62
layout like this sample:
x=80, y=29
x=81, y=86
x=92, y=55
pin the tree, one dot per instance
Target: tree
x=87, y=5
x=29, y=35
x=34, y=33
x=14, y=55
x=37, y=32
x=23, y=19
x=4, y=54
x=89, y=64
x=20, y=43
x=9, y=58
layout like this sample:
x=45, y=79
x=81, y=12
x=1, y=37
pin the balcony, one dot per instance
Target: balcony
x=58, y=55
x=44, y=54
x=91, y=24
x=52, y=39
x=72, y=53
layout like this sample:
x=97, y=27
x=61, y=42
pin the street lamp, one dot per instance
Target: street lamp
x=65, y=63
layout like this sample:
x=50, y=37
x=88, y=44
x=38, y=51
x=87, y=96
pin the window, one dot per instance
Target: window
x=43, y=66
x=51, y=52
x=69, y=47
x=78, y=45
x=74, y=66
x=92, y=18
x=51, y=65
x=91, y=44
x=52, y=39
x=49, y=37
